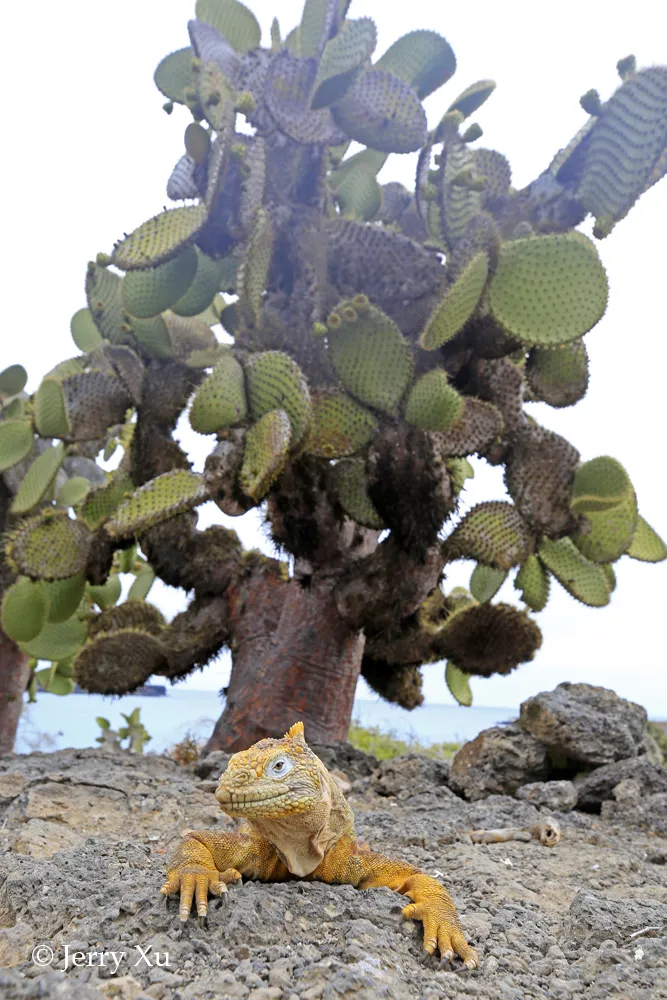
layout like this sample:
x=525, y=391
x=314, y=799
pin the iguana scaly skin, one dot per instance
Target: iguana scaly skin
x=298, y=825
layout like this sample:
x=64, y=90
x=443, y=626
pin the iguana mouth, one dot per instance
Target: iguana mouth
x=239, y=799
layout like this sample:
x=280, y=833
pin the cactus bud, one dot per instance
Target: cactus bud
x=626, y=67
x=472, y=133
x=591, y=103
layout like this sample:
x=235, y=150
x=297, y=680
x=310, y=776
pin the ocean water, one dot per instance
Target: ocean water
x=53, y=723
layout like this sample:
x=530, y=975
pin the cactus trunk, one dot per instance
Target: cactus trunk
x=294, y=658
x=14, y=675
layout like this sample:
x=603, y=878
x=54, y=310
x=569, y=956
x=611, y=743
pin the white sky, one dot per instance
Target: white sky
x=88, y=154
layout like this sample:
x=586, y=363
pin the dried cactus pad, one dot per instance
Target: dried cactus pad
x=533, y=582
x=478, y=426
x=433, y=404
x=582, y=579
x=160, y=238
x=16, y=440
x=351, y=482
x=421, y=58
x=340, y=426
x=48, y=547
x=220, y=400
x=549, y=290
x=275, y=382
x=458, y=305
x=161, y=498
x=369, y=354
x=383, y=112
x=488, y=639
x=493, y=533
x=118, y=662
x=266, y=451
x=146, y=292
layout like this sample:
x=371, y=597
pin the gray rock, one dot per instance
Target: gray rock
x=599, y=785
x=652, y=750
x=560, y=796
x=499, y=761
x=592, y=918
x=581, y=722
x=212, y=765
x=408, y=775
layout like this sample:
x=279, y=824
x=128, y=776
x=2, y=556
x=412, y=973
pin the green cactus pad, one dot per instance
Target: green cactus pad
x=608, y=532
x=493, y=533
x=600, y=485
x=13, y=380
x=105, y=303
x=73, y=491
x=432, y=403
x=24, y=608
x=458, y=684
x=38, y=479
x=342, y=58
x=48, y=547
x=340, y=426
x=158, y=500
x=101, y=502
x=204, y=286
x=480, y=424
x=381, y=111
x=628, y=139
x=160, y=238
x=549, y=290
x=473, y=97
x=64, y=596
x=358, y=193
x=175, y=75
x=220, y=400
x=142, y=584
x=85, y=333
x=188, y=334
x=559, y=376
x=129, y=615
x=317, y=21
x=216, y=98
x=585, y=581
x=370, y=355
x=646, y=544
x=488, y=639
x=460, y=196
x=423, y=59
x=149, y=291
x=107, y=594
x=351, y=482
x=57, y=640
x=458, y=305
x=610, y=575
x=16, y=441
x=266, y=451
x=118, y=662
x=459, y=470
x=485, y=582
x=534, y=583
x=233, y=20
x=254, y=270
x=275, y=382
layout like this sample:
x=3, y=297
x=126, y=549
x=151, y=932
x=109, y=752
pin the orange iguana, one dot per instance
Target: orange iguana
x=298, y=825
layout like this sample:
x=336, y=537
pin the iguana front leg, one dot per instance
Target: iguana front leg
x=207, y=862
x=353, y=863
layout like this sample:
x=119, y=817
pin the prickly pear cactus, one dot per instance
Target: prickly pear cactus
x=346, y=344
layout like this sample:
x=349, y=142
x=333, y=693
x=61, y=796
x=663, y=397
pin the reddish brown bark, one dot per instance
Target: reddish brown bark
x=293, y=657
x=14, y=675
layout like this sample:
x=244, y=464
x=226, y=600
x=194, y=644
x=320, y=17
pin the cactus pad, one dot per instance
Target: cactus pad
x=73, y=491
x=254, y=270
x=533, y=582
x=493, y=533
x=488, y=639
x=94, y=401
x=57, y=640
x=495, y=170
x=340, y=426
x=485, y=582
x=599, y=485
x=267, y=446
x=369, y=354
x=24, y=608
x=433, y=404
x=160, y=238
x=458, y=684
x=130, y=615
x=351, y=483
x=13, y=380
x=608, y=532
x=105, y=303
x=159, y=499
x=318, y=19
x=48, y=547
x=146, y=292
x=342, y=58
x=38, y=479
x=50, y=413
x=559, y=376
x=358, y=193
x=381, y=111
x=457, y=306
x=628, y=139
x=549, y=290
x=582, y=579
x=85, y=333
x=100, y=503
x=473, y=97
x=233, y=20
x=203, y=287
x=423, y=59
x=539, y=471
x=480, y=424
x=174, y=76
x=64, y=596
x=275, y=382
x=107, y=594
x=646, y=544
x=16, y=441
x=118, y=662
x=289, y=85
x=220, y=400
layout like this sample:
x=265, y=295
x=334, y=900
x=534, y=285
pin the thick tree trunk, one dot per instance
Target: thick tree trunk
x=14, y=675
x=293, y=658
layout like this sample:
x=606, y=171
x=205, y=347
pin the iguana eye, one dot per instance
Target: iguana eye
x=278, y=767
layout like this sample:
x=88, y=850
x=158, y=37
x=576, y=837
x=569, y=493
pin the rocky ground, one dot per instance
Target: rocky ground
x=84, y=834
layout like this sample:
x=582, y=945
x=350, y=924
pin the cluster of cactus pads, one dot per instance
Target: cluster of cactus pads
x=375, y=338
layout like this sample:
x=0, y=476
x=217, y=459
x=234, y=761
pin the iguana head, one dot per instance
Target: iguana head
x=273, y=778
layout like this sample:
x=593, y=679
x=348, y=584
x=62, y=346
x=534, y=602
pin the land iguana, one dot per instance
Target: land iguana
x=299, y=826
